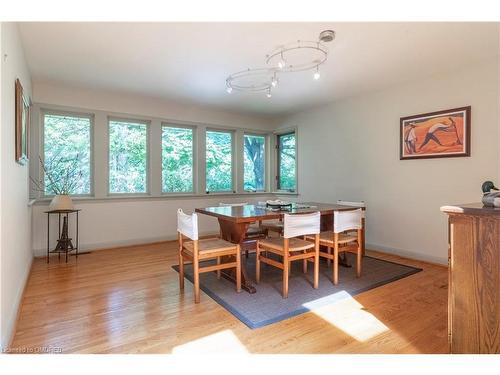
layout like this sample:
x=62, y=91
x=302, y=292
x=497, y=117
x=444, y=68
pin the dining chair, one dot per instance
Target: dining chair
x=271, y=225
x=341, y=239
x=197, y=250
x=291, y=248
x=253, y=232
x=360, y=204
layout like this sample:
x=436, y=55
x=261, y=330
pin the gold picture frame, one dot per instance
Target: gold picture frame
x=22, y=124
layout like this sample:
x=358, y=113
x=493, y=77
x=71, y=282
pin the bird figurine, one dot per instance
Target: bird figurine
x=491, y=194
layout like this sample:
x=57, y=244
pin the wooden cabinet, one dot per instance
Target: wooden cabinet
x=474, y=275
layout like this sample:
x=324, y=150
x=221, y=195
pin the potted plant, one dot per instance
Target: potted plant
x=63, y=177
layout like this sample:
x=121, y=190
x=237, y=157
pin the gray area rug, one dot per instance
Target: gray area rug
x=267, y=306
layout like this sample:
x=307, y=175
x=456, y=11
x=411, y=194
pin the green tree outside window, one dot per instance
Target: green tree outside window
x=67, y=142
x=254, y=162
x=177, y=160
x=286, y=162
x=219, y=175
x=128, y=154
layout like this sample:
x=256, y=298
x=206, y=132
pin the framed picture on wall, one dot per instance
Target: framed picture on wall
x=22, y=124
x=441, y=134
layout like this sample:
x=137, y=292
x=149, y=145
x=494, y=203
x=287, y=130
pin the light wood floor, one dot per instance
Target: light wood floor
x=128, y=301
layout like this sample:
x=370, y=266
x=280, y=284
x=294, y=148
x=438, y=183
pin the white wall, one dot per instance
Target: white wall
x=119, y=102
x=115, y=222
x=16, y=254
x=350, y=150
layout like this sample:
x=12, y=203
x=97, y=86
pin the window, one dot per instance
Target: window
x=67, y=154
x=219, y=171
x=254, y=162
x=128, y=157
x=286, y=162
x=177, y=159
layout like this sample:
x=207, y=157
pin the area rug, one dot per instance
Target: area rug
x=267, y=306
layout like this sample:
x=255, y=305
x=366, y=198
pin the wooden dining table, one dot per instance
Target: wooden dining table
x=235, y=220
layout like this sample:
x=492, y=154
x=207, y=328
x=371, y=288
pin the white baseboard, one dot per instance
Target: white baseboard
x=8, y=334
x=144, y=241
x=408, y=254
x=112, y=244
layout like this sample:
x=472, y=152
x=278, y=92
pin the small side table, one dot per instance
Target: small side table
x=64, y=243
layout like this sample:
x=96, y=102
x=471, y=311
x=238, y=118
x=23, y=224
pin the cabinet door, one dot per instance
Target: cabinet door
x=475, y=284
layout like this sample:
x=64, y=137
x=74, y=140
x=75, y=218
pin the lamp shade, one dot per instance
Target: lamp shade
x=61, y=202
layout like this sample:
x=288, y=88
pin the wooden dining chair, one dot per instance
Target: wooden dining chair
x=254, y=231
x=197, y=251
x=291, y=248
x=360, y=204
x=342, y=240
x=273, y=226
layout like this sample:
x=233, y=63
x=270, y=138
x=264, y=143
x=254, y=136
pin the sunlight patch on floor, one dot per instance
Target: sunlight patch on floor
x=349, y=316
x=220, y=342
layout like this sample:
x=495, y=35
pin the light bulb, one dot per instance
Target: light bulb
x=281, y=62
x=274, y=81
x=229, y=90
x=316, y=75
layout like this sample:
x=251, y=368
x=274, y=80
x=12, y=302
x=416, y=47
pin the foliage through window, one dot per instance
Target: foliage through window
x=177, y=160
x=128, y=153
x=219, y=174
x=67, y=154
x=286, y=162
x=254, y=162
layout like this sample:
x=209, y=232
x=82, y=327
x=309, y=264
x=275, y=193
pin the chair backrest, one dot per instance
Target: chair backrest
x=232, y=204
x=353, y=204
x=187, y=224
x=347, y=220
x=301, y=225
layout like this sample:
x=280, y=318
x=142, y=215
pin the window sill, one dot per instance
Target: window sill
x=285, y=193
x=174, y=196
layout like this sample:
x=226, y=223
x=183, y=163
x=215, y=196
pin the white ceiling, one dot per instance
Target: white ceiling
x=189, y=62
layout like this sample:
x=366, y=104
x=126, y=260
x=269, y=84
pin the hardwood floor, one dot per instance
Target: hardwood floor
x=128, y=301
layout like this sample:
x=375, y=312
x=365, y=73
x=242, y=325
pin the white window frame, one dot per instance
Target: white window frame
x=41, y=174
x=234, y=181
x=194, y=129
x=130, y=120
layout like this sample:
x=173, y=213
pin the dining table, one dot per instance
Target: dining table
x=235, y=220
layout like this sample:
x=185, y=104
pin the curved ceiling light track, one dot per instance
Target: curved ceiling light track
x=298, y=56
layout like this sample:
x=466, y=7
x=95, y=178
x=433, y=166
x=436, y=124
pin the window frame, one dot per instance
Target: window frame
x=148, y=155
x=54, y=112
x=234, y=183
x=266, y=161
x=278, y=135
x=194, y=147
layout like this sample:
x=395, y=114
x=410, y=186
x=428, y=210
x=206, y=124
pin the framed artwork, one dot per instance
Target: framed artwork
x=22, y=124
x=442, y=134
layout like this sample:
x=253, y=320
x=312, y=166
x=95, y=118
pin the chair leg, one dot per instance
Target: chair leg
x=304, y=264
x=218, y=271
x=359, y=257
x=360, y=252
x=196, y=276
x=286, y=268
x=257, y=263
x=246, y=253
x=285, y=278
x=316, y=263
x=238, y=269
x=329, y=251
x=181, y=271
x=336, y=264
